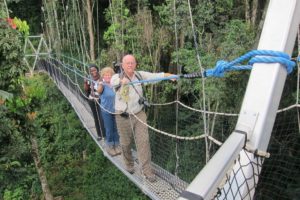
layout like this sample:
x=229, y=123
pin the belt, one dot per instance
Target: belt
x=122, y=112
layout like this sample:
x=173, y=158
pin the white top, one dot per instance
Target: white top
x=94, y=86
x=127, y=98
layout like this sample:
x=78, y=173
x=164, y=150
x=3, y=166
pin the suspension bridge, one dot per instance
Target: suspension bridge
x=206, y=155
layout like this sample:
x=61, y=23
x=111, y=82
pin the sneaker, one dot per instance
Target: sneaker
x=99, y=138
x=118, y=150
x=111, y=151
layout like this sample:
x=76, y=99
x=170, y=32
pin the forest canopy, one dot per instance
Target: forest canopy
x=46, y=154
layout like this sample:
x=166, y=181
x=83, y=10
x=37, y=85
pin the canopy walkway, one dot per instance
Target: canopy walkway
x=167, y=186
x=228, y=149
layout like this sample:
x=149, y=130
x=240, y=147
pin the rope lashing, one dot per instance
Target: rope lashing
x=265, y=56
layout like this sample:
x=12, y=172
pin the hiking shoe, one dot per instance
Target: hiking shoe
x=111, y=151
x=118, y=150
x=151, y=178
x=130, y=169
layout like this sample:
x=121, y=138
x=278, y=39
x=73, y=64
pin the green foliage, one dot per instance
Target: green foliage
x=17, y=129
x=62, y=143
x=34, y=87
x=33, y=91
x=117, y=14
x=5, y=95
x=29, y=10
x=205, y=12
x=235, y=39
x=11, y=56
x=15, y=161
x=110, y=35
x=22, y=26
x=146, y=29
x=3, y=11
x=223, y=6
x=16, y=194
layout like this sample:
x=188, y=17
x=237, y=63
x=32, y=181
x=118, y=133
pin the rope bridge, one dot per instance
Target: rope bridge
x=178, y=155
x=187, y=138
x=170, y=152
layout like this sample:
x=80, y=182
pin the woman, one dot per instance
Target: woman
x=107, y=105
x=90, y=87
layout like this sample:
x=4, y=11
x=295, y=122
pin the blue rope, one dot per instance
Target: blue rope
x=155, y=79
x=266, y=56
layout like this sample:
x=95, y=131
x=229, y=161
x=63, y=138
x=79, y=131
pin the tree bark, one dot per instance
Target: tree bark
x=254, y=12
x=247, y=11
x=90, y=29
x=260, y=24
x=37, y=161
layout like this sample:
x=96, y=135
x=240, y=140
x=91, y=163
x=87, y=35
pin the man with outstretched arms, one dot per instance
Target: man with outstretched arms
x=129, y=104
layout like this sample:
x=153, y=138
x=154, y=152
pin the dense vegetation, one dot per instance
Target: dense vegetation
x=49, y=153
x=37, y=142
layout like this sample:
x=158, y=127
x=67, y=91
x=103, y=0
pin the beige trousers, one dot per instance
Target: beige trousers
x=129, y=129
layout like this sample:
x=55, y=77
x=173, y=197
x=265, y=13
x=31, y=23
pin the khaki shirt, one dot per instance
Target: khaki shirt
x=127, y=99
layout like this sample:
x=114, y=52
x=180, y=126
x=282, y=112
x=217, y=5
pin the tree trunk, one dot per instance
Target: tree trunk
x=260, y=25
x=254, y=12
x=247, y=12
x=90, y=29
x=37, y=161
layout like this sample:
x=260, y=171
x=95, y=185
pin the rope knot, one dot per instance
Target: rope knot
x=255, y=56
x=219, y=69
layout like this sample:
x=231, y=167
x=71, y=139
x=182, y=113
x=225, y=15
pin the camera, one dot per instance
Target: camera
x=144, y=102
x=124, y=114
x=117, y=67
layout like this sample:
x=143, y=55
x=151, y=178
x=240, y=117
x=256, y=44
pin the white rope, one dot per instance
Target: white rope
x=169, y=134
x=177, y=90
x=196, y=110
x=288, y=108
x=209, y=112
x=202, y=80
x=257, y=152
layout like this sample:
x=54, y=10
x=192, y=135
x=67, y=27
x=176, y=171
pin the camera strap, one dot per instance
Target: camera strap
x=139, y=77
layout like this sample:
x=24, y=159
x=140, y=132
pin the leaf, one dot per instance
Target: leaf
x=5, y=95
x=15, y=164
